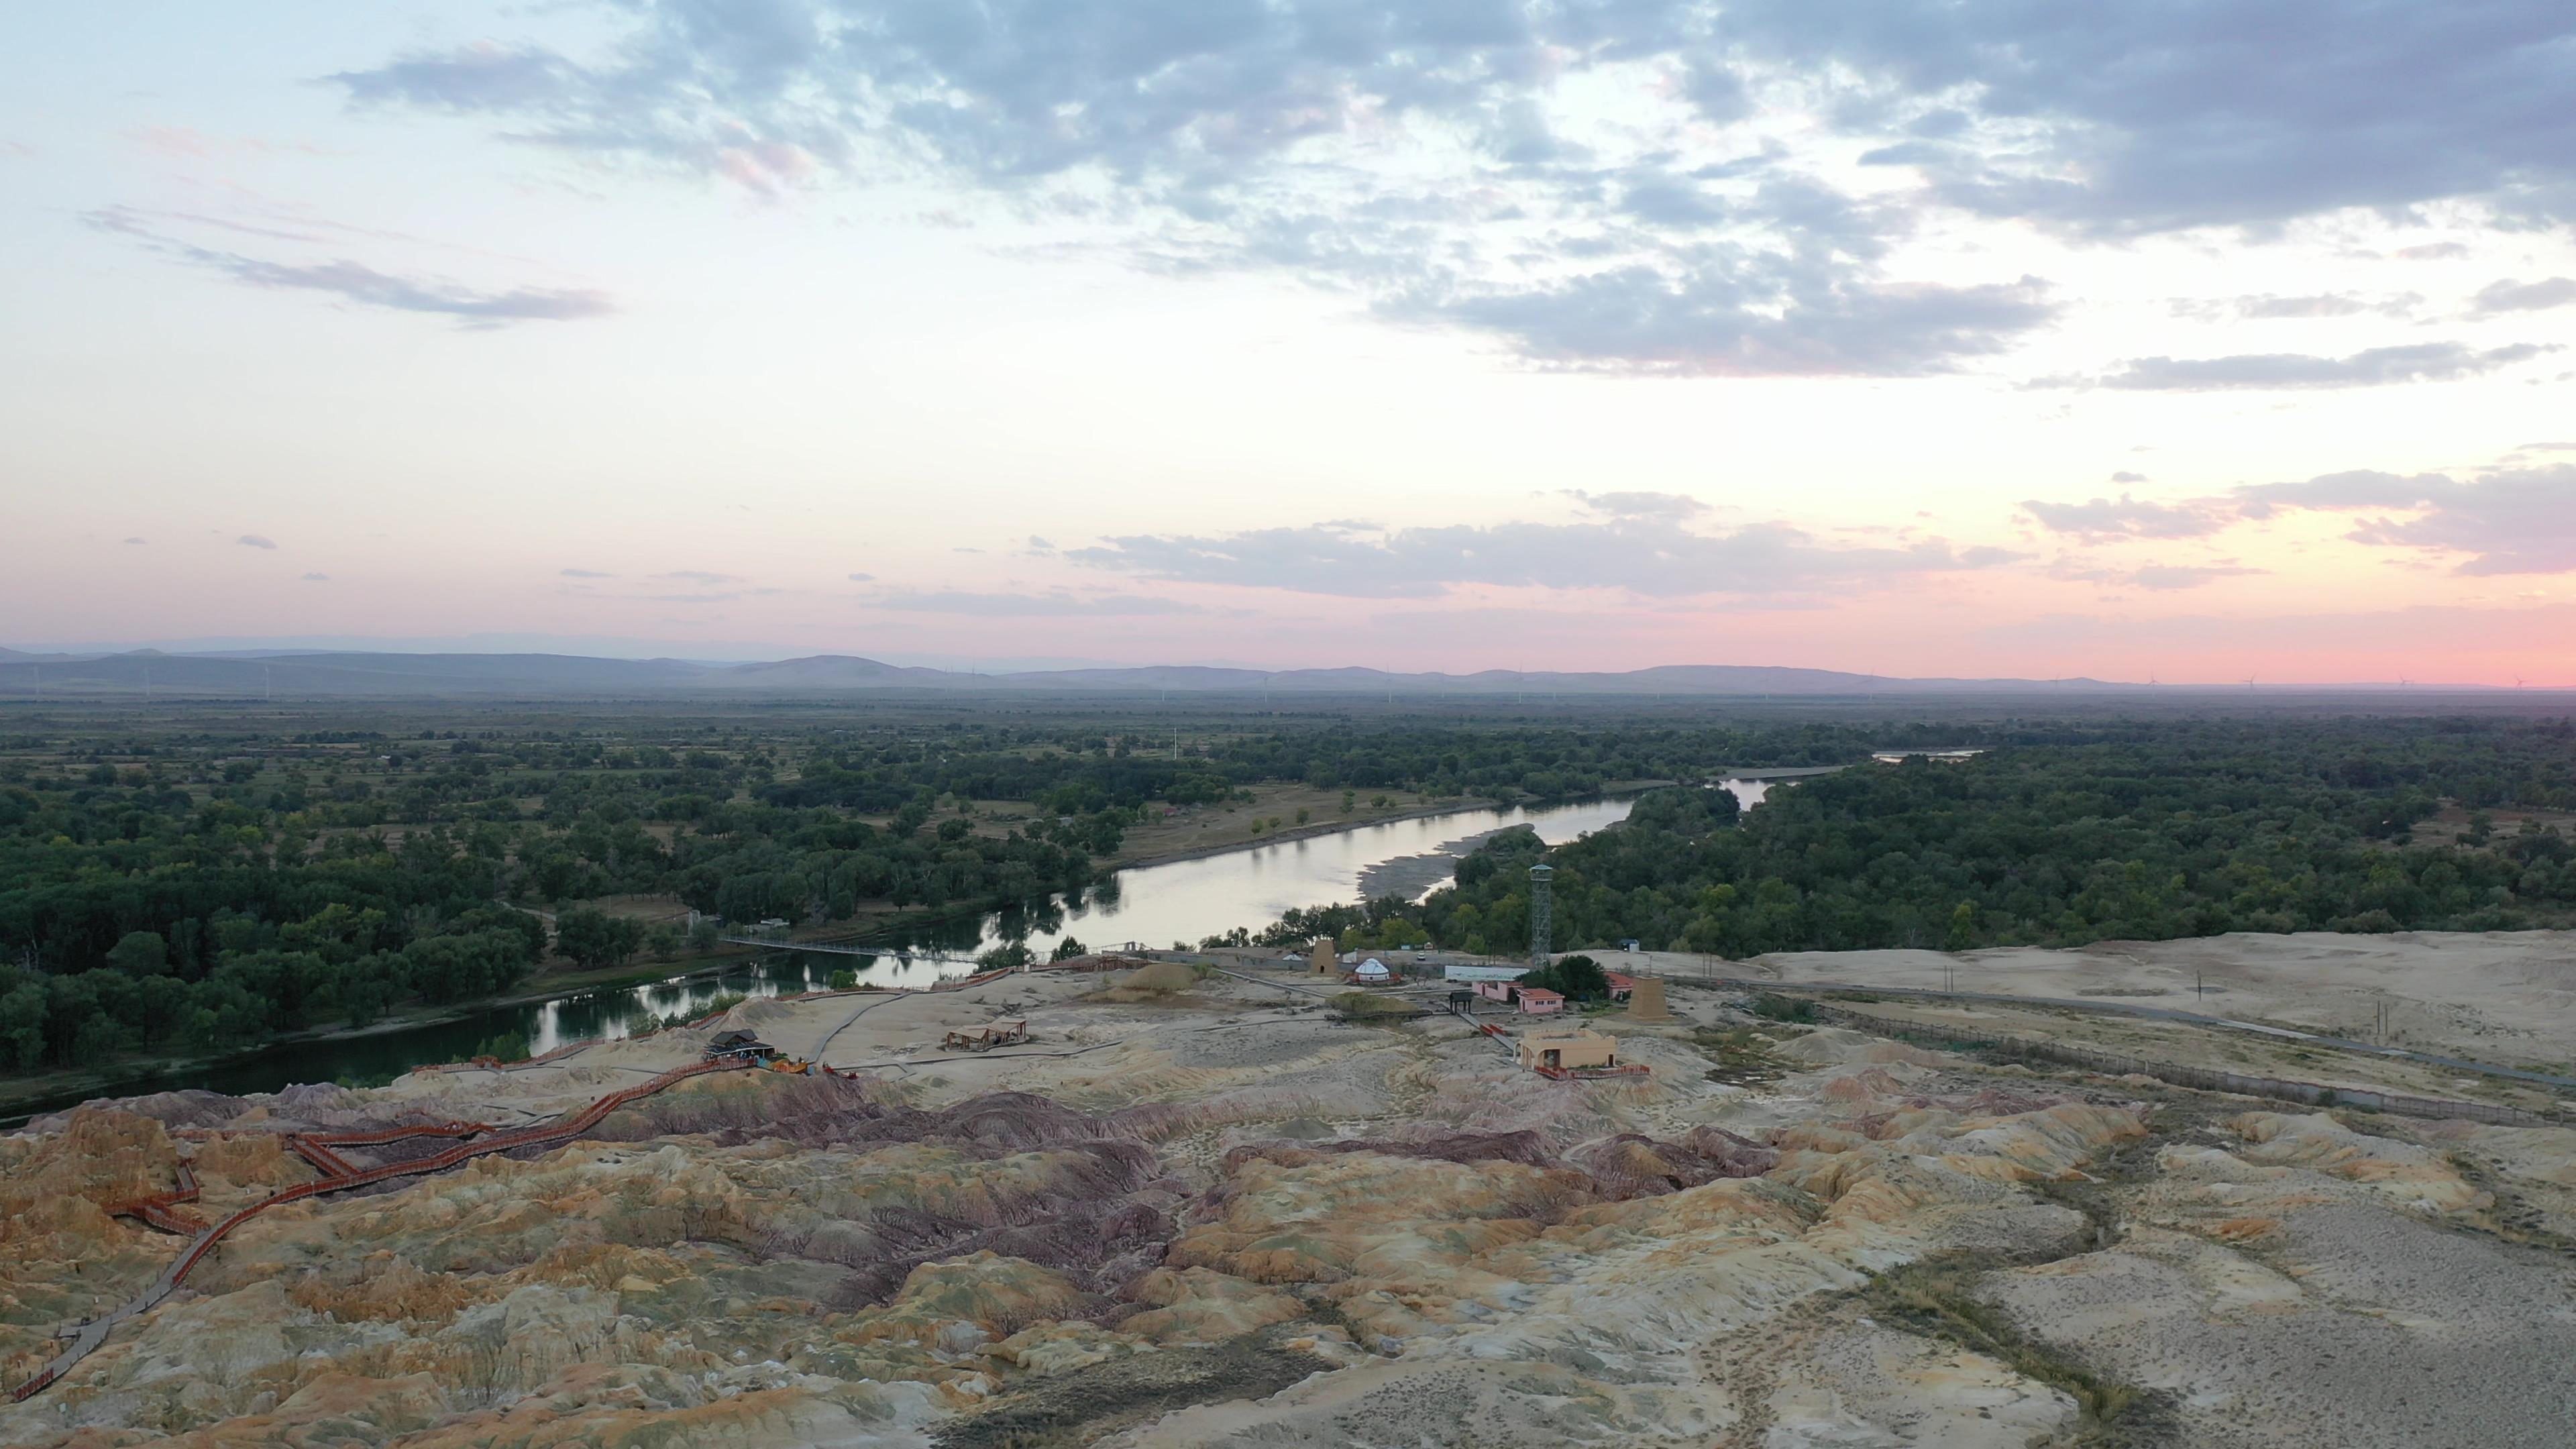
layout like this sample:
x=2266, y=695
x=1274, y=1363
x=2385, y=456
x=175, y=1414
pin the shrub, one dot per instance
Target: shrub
x=509, y=1046
x=1783, y=1008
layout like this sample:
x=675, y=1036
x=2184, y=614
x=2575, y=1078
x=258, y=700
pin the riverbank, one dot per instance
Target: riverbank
x=608, y=1000
x=1457, y=805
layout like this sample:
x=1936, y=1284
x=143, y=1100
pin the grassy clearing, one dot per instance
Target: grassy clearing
x=1935, y=1298
x=1368, y=1004
x=1744, y=1055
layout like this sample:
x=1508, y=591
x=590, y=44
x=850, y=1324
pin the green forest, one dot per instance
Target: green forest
x=2061, y=836
x=205, y=885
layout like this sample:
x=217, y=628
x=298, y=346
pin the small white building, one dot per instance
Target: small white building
x=1453, y=971
x=1373, y=972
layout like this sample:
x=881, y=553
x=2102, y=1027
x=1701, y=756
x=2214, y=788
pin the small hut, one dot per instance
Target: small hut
x=1373, y=972
x=1568, y=1049
x=740, y=1044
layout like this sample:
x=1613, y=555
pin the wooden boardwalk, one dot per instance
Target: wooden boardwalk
x=340, y=1175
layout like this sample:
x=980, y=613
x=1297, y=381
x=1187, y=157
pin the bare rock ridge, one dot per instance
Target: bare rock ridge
x=1218, y=1218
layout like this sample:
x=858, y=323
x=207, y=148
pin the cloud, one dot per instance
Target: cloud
x=1673, y=507
x=2338, y=305
x=253, y=540
x=2507, y=520
x=479, y=77
x=2512, y=296
x=2161, y=577
x=362, y=285
x=690, y=598
x=134, y=540
x=2171, y=114
x=1305, y=136
x=2103, y=519
x=2374, y=367
x=2186, y=576
x=2125, y=476
x=1648, y=556
x=1017, y=606
x=586, y=574
x=1445, y=165
x=863, y=578
x=698, y=576
x=317, y=578
x=1743, y=317
x=1039, y=545
x=2323, y=304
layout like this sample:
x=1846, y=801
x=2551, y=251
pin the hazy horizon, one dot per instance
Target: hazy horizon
x=1934, y=341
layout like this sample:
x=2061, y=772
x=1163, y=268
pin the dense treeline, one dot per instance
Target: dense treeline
x=205, y=891
x=2065, y=836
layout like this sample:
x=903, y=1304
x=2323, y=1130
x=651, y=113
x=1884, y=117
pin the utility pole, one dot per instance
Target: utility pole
x=1542, y=912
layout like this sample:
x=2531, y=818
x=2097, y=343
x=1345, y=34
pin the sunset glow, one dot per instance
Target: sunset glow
x=1529, y=342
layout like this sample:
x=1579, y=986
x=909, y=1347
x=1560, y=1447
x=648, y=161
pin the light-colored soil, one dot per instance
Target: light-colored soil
x=2253, y=1054
x=2507, y=997
x=1224, y=1218
x=2448, y=825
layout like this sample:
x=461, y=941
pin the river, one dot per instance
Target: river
x=1180, y=900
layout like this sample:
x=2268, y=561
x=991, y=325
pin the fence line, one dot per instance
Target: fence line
x=2210, y=1079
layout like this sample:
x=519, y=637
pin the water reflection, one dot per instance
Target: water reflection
x=1182, y=900
x=1188, y=900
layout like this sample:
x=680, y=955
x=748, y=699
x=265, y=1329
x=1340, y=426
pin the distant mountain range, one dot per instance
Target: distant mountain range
x=311, y=673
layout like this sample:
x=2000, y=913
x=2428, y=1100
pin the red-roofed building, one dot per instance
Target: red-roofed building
x=1539, y=1001
x=1620, y=985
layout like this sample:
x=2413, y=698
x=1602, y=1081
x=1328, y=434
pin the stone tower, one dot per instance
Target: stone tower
x=1646, y=1000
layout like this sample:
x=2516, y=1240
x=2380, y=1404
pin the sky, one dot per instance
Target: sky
x=2194, y=340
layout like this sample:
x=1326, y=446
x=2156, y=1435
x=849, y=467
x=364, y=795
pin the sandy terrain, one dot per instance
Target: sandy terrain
x=2507, y=997
x=1225, y=1218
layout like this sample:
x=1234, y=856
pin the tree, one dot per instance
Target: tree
x=595, y=939
x=1067, y=949
x=139, y=954
x=1578, y=977
x=1963, y=928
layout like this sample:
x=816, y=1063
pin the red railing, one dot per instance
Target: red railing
x=161, y=1209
